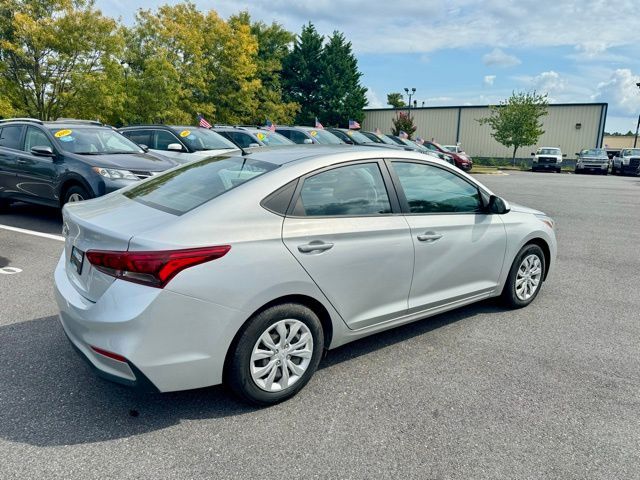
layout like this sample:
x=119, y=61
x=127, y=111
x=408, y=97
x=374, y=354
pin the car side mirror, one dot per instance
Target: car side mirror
x=577, y=154
x=564, y=155
x=253, y=145
x=498, y=205
x=144, y=148
x=42, y=151
x=174, y=147
x=308, y=141
x=533, y=154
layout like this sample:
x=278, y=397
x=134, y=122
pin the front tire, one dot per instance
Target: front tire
x=525, y=277
x=276, y=354
x=75, y=194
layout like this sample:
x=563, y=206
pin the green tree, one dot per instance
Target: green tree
x=403, y=123
x=342, y=96
x=55, y=55
x=302, y=74
x=515, y=122
x=395, y=99
x=273, y=46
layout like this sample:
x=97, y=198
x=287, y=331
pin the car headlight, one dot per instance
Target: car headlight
x=114, y=174
x=546, y=220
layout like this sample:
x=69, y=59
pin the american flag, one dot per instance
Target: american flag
x=270, y=126
x=318, y=124
x=202, y=122
x=403, y=134
x=353, y=125
x=420, y=140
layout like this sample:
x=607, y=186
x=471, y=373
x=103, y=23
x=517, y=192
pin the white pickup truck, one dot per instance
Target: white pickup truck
x=627, y=161
x=547, y=158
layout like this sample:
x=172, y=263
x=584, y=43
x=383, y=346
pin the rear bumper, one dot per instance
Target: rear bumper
x=170, y=341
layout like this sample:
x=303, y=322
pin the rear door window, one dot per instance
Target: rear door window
x=10, y=136
x=196, y=183
x=352, y=190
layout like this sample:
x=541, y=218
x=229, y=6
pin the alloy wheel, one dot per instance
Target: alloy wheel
x=528, y=277
x=75, y=197
x=281, y=355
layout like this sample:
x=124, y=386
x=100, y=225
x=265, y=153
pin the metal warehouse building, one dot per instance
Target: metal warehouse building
x=570, y=126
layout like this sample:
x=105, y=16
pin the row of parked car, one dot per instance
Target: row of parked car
x=68, y=160
x=595, y=160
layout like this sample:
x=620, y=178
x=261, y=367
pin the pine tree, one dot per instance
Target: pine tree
x=302, y=74
x=342, y=96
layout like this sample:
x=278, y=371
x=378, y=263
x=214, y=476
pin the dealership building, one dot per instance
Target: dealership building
x=570, y=126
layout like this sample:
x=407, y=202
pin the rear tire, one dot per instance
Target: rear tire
x=525, y=277
x=75, y=194
x=297, y=350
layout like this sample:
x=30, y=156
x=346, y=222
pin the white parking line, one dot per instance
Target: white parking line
x=32, y=232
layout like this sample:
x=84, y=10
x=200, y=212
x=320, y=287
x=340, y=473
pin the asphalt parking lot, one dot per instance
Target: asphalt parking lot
x=550, y=391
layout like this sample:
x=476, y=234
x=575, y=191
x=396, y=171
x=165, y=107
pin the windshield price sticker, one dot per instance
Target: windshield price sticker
x=63, y=133
x=185, y=133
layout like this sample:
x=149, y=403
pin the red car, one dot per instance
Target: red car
x=463, y=161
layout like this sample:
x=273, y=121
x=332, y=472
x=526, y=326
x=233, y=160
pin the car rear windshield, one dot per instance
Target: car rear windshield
x=196, y=183
x=201, y=139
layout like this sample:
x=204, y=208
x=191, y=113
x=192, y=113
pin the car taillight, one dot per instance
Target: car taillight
x=154, y=269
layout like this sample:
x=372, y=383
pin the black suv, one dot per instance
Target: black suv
x=52, y=163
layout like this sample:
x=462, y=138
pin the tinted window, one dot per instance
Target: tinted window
x=297, y=137
x=141, y=137
x=186, y=188
x=35, y=138
x=351, y=190
x=241, y=139
x=164, y=139
x=431, y=189
x=10, y=136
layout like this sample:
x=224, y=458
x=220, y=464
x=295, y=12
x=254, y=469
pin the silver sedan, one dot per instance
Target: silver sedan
x=244, y=269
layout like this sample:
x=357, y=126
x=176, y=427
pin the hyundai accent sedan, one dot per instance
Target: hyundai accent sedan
x=245, y=269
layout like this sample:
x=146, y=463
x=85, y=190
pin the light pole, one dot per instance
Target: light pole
x=635, y=140
x=410, y=93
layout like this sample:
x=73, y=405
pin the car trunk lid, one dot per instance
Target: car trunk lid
x=109, y=227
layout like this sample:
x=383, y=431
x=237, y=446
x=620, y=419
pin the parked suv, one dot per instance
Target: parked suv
x=547, y=158
x=246, y=137
x=592, y=160
x=627, y=161
x=52, y=163
x=182, y=143
x=303, y=135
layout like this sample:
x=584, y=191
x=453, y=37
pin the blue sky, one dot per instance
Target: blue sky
x=468, y=52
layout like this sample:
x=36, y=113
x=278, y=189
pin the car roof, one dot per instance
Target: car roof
x=281, y=155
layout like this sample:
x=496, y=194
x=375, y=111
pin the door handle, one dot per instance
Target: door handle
x=22, y=161
x=429, y=237
x=315, y=246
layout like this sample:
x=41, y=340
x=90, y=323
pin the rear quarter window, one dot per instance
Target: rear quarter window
x=196, y=183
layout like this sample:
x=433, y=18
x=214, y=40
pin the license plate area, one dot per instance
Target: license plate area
x=77, y=259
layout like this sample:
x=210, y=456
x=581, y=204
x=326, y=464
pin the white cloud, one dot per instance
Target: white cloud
x=620, y=91
x=488, y=80
x=372, y=98
x=499, y=58
x=425, y=26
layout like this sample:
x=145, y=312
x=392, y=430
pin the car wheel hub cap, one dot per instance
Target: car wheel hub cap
x=528, y=277
x=281, y=355
x=75, y=197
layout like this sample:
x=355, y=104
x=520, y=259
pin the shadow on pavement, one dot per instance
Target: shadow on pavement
x=33, y=217
x=49, y=396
